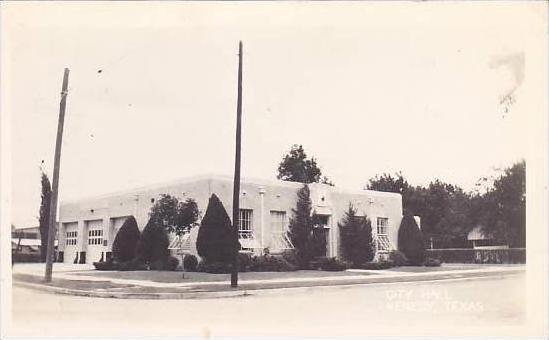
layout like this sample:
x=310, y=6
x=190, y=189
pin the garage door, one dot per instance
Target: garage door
x=71, y=237
x=95, y=246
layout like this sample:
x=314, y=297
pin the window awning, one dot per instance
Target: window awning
x=249, y=243
x=319, y=210
x=181, y=243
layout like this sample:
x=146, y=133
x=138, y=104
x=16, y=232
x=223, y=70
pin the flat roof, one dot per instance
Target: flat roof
x=244, y=180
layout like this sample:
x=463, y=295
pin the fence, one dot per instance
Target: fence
x=469, y=255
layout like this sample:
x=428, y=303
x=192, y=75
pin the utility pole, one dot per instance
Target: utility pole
x=236, y=183
x=55, y=185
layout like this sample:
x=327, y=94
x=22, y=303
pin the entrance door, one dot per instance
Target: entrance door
x=321, y=233
x=95, y=241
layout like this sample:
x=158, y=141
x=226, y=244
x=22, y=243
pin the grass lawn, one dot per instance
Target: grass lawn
x=167, y=276
x=71, y=284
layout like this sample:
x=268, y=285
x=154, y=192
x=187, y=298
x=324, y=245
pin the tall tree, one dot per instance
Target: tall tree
x=357, y=244
x=44, y=214
x=216, y=241
x=503, y=208
x=389, y=183
x=301, y=227
x=174, y=215
x=410, y=240
x=297, y=167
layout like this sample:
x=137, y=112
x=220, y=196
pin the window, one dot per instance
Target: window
x=245, y=225
x=95, y=236
x=278, y=222
x=382, y=240
x=279, y=235
x=70, y=240
x=382, y=225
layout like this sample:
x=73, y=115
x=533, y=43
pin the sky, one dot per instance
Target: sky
x=435, y=90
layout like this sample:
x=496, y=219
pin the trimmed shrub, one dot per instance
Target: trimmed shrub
x=214, y=267
x=410, y=240
x=332, y=265
x=357, y=244
x=125, y=242
x=153, y=245
x=269, y=263
x=376, y=265
x=429, y=262
x=216, y=241
x=190, y=262
x=398, y=258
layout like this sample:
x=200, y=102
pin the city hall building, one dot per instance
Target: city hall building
x=87, y=227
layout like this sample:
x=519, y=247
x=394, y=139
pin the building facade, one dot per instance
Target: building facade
x=87, y=227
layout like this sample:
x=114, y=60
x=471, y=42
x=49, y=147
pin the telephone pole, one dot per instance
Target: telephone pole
x=236, y=184
x=55, y=185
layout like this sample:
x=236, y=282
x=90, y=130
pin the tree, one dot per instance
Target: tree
x=301, y=227
x=174, y=215
x=44, y=215
x=388, y=183
x=216, y=241
x=126, y=240
x=153, y=244
x=503, y=208
x=410, y=240
x=296, y=167
x=357, y=244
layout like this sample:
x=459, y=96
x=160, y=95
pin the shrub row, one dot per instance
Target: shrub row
x=496, y=256
x=170, y=263
x=247, y=263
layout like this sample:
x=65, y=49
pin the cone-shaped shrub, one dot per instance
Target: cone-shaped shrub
x=410, y=240
x=215, y=241
x=153, y=244
x=357, y=245
x=125, y=242
x=301, y=228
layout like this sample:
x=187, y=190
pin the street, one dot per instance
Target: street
x=492, y=306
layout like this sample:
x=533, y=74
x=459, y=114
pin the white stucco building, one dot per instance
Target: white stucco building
x=88, y=226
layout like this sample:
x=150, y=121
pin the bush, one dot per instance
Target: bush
x=171, y=264
x=153, y=245
x=244, y=262
x=125, y=241
x=376, y=265
x=357, y=244
x=268, y=263
x=214, y=267
x=332, y=265
x=134, y=264
x=107, y=265
x=510, y=255
x=398, y=258
x=429, y=262
x=216, y=241
x=190, y=262
x=410, y=240
x=291, y=256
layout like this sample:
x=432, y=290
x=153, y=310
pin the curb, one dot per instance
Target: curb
x=258, y=291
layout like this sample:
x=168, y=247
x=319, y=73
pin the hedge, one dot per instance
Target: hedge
x=469, y=255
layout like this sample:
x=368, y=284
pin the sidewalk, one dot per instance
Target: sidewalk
x=82, y=280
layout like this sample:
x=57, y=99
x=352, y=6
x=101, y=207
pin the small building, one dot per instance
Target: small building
x=89, y=226
x=481, y=241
